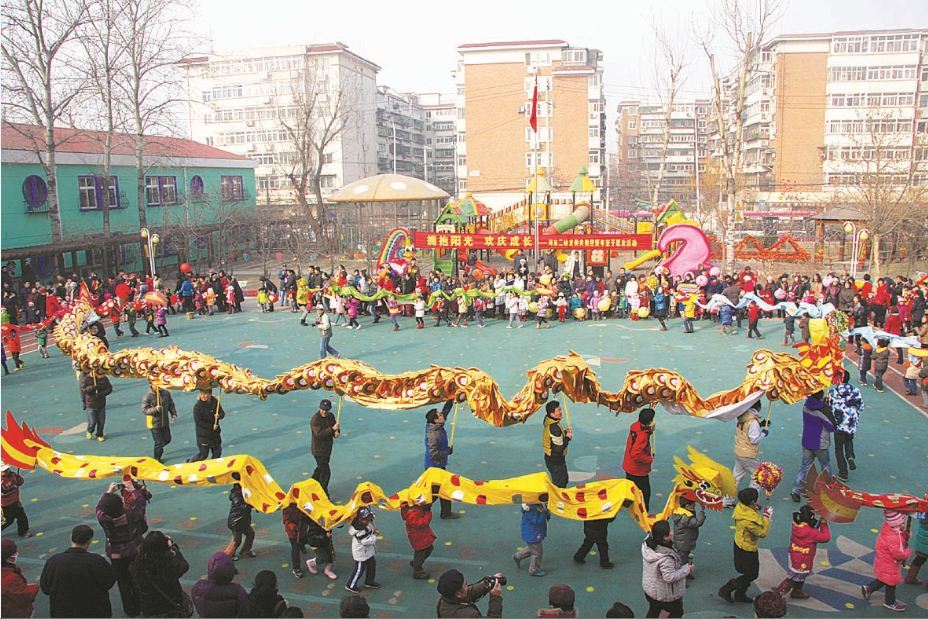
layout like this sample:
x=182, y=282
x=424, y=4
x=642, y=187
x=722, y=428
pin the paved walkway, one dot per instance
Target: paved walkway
x=387, y=448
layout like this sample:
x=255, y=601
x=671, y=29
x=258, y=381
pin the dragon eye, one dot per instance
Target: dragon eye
x=703, y=485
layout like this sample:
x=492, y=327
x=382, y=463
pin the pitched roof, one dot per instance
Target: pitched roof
x=17, y=136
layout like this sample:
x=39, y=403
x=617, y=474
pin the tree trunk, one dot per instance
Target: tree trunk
x=875, y=256
x=51, y=177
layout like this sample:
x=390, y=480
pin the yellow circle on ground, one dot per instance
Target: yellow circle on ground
x=825, y=563
x=590, y=589
x=510, y=588
x=448, y=543
x=849, y=605
x=874, y=531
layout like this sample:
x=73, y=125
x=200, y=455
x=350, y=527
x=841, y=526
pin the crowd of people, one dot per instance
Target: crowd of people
x=146, y=565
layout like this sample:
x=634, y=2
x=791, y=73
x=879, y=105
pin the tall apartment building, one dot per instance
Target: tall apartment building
x=640, y=127
x=495, y=144
x=241, y=102
x=818, y=105
x=400, y=133
x=440, y=139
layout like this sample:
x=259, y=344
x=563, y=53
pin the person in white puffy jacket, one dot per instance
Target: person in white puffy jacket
x=663, y=573
x=363, y=547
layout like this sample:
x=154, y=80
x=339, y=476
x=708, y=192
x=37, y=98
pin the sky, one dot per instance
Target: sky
x=415, y=41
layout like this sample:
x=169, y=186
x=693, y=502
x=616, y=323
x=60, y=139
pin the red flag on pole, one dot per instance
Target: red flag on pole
x=533, y=119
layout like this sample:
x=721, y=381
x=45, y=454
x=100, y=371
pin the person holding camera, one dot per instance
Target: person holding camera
x=121, y=514
x=458, y=599
x=749, y=432
x=159, y=410
x=94, y=391
x=324, y=430
x=156, y=572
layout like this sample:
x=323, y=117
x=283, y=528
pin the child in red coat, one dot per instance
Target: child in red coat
x=418, y=519
x=894, y=326
x=891, y=552
x=808, y=532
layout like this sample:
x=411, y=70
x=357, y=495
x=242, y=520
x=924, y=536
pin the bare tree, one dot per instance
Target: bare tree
x=885, y=177
x=151, y=33
x=313, y=112
x=37, y=35
x=746, y=26
x=103, y=68
x=669, y=62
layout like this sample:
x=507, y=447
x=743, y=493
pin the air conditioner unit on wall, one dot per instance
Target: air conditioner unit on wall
x=521, y=109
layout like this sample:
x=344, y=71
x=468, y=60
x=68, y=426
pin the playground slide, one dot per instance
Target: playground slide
x=654, y=254
x=580, y=215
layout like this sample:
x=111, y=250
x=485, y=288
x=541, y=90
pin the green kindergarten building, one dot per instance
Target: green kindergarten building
x=199, y=200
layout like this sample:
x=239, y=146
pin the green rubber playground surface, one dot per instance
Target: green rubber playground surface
x=386, y=447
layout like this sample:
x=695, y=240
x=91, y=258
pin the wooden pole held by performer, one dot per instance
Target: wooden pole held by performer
x=454, y=422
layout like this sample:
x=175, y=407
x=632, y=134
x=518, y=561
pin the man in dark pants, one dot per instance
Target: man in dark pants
x=157, y=405
x=78, y=582
x=325, y=430
x=95, y=389
x=638, y=457
x=595, y=532
x=437, y=449
x=206, y=415
x=554, y=441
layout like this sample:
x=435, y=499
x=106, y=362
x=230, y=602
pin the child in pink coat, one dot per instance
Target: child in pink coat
x=807, y=533
x=891, y=552
x=353, y=307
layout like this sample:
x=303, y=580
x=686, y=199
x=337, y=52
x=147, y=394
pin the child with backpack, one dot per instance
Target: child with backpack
x=806, y=534
x=535, y=519
x=363, y=547
x=418, y=520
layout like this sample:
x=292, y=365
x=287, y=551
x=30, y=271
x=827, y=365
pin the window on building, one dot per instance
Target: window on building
x=462, y=160
x=632, y=153
x=594, y=157
x=232, y=188
x=161, y=190
x=327, y=181
x=632, y=124
x=327, y=158
x=196, y=187
x=35, y=193
x=593, y=132
x=91, y=192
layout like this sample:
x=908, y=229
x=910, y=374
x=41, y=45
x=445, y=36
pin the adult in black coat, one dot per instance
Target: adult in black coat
x=206, y=415
x=78, y=582
x=156, y=572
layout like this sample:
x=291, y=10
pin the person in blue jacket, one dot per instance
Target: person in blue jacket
x=535, y=519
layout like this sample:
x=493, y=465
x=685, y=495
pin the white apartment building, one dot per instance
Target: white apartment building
x=440, y=139
x=400, y=133
x=814, y=103
x=495, y=145
x=640, y=128
x=238, y=101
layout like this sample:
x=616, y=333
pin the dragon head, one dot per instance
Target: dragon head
x=703, y=479
x=20, y=444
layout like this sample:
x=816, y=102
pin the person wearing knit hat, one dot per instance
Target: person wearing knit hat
x=891, y=553
x=458, y=599
x=769, y=604
x=18, y=594
x=554, y=441
x=560, y=602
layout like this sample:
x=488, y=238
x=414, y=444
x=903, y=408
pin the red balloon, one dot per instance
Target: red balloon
x=185, y=267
